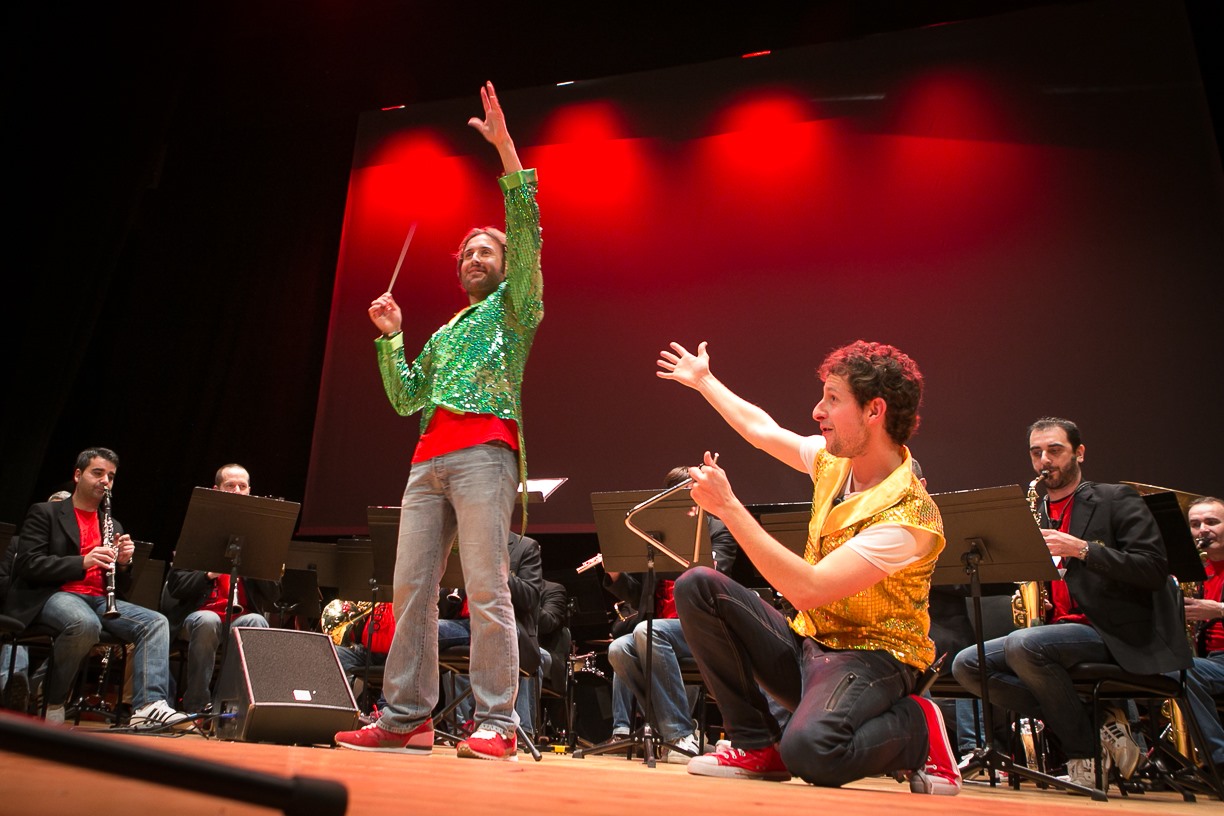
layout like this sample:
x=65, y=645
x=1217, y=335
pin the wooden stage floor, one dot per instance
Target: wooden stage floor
x=558, y=785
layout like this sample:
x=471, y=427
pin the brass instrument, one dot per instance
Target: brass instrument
x=339, y=615
x=1194, y=589
x=1030, y=729
x=1028, y=604
x=1176, y=732
x=108, y=540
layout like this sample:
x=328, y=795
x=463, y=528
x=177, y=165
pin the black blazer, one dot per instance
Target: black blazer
x=49, y=556
x=555, y=637
x=526, y=585
x=1124, y=587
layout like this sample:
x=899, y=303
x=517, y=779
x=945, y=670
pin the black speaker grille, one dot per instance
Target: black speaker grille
x=286, y=666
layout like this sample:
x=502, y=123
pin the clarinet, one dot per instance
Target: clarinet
x=108, y=538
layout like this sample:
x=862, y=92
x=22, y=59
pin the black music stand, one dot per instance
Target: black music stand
x=147, y=576
x=992, y=537
x=356, y=579
x=632, y=525
x=299, y=596
x=1180, y=549
x=246, y=536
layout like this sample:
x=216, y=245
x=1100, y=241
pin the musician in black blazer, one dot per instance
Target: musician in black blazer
x=59, y=582
x=1116, y=604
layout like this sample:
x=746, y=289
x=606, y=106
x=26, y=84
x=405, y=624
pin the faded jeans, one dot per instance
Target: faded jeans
x=669, y=700
x=468, y=494
x=79, y=621
x=1027, y=673
x=202, y=631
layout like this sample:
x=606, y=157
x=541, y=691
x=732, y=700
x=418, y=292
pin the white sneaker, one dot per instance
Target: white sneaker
x=690, y=744
x=1117, y=740
x=55, y=715
x=1083, y=772
x=158, y=716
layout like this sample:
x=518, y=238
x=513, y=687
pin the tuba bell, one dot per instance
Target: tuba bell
x=339, y=615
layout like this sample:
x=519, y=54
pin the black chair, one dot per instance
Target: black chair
x=39, y=640
x=110, y=656
x=1100, y=682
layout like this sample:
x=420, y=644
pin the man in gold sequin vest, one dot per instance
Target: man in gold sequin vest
x=847, y=664
x=467, y=384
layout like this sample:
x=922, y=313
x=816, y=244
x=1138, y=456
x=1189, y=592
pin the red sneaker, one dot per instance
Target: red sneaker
x=941, y=774
x=755, y=763
x=374, y=737
x=488, y=744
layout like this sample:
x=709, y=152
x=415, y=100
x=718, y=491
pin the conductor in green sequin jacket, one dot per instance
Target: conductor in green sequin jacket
x=467, y=384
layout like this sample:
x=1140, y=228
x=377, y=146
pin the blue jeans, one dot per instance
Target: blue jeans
x=669, y=703
x=1027, y=673
x=79, y=622
x=202, y=631
x=622, y=706
x=1204, y=680
x=852, y=716
x=468, y=494
x=21, y=662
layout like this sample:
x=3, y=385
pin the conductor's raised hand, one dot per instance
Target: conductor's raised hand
x=385, y=314
x=493, y=126
x=493, y=129
x=711, y=489
x=683, y=366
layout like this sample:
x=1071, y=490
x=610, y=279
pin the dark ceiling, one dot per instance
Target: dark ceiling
x=272, y=62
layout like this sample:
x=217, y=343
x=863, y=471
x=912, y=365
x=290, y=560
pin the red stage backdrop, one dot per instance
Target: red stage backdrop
x=1028, y=205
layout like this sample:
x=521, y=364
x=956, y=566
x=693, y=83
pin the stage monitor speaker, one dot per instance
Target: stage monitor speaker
x=282, y=686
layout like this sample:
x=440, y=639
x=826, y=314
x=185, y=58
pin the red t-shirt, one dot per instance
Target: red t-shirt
x=94, y=582
x=379, y=629
x=219, y=597
x=1066, y=610
x=1213, y=587
x=449, y=431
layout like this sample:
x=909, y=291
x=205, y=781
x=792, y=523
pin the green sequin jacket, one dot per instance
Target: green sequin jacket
x=475, y=363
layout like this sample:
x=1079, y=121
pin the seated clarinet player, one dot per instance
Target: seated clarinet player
x=72, y=568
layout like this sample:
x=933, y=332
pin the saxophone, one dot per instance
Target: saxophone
x=108, y=540
x=1176, y=732
x=1028, y=604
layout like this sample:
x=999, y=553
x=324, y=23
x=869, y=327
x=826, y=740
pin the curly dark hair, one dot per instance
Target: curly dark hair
x=880, y=370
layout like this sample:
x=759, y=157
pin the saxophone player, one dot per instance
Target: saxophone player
x=59, y=582
x=1116, y=603
x=1205, y=680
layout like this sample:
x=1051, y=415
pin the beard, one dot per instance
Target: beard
x=847, y=447
x=1062, y=477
